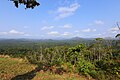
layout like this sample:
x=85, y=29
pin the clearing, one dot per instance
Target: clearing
x=18, y=69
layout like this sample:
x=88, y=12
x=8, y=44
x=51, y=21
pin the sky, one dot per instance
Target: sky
x=60, y=19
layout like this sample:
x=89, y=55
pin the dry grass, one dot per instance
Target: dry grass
x=49, y=76
x=12, y=67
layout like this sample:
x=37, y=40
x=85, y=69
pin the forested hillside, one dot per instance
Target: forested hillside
x=94, y=58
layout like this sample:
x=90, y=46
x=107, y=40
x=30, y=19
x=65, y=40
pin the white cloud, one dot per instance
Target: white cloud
x=15, y=32
x=99, y=34
x=12, y=32
x=86, y=30
x=3, y=33
x=63, y=12
x=47, y=27
x=89, y=30
x=114, y=30
x=77, y=31
x=67, y=26
x=54, y=33
x=64, y=2
x=66, y=34
x=103, y=35
x=99, y=22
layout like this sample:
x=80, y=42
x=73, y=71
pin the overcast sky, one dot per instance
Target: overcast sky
x=60, y=19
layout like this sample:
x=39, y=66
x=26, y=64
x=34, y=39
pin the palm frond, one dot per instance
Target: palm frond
x=118, y=35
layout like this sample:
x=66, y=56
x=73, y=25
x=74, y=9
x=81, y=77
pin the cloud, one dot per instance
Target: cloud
x=3, y=33
x=63, y=12
x=114, y=30
x=77, y=31
x=47, y=27
x=99, y=34
x=54, y=33
x=12, y=32
x=103, y=35
x=86, y=30
x=97, y=22
x=89, y=30
x=67, y=26
x=64, y=2
x=66, y=34
x=15, y=32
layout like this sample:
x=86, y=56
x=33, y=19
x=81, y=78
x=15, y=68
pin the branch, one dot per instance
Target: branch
x=118, y=25
x=27, y=3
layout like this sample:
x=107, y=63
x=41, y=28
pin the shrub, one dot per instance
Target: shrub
x=85, y=67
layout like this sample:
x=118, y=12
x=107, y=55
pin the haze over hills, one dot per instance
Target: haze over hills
x=73, y=38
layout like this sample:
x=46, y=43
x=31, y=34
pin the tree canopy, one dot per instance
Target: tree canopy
x=27, y=3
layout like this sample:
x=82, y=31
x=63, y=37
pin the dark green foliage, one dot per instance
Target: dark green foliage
x=75, y=53
x=118, y=35
x=110, y=68
x=27, y=3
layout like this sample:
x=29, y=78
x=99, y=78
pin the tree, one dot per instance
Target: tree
x=27, y=3
x=118, y=35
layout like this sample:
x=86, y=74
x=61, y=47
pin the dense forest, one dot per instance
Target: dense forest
x=97, y=58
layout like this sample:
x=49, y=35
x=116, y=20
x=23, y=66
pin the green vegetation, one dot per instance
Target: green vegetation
x=94, y=58
x=18, y=69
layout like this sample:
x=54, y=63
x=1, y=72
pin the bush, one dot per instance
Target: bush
x=85, y=67
x=68, y=67
x=110, y=69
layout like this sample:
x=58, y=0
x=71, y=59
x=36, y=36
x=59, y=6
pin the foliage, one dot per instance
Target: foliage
x=75, y=53
x=11, y=68
x=97, y=58
x=27, y=3
x=118, y=35
x=85, y=67
x=110, y=68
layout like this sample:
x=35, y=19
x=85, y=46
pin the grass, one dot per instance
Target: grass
x=49, y=76
x=13, y=68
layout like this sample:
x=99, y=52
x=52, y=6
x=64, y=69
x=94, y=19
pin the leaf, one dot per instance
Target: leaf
x=27, y=3
x=118, y=35
x=16, y=3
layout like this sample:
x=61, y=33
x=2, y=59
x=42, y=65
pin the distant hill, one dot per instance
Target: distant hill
x=70, y=40
x=76, y=38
